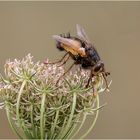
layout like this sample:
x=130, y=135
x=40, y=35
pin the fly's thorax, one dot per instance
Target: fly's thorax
x=93, y=55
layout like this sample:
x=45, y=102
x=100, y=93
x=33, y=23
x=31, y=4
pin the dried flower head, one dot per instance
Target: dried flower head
x=40, y=109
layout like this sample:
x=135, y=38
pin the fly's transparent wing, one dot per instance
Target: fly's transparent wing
x=82, y=34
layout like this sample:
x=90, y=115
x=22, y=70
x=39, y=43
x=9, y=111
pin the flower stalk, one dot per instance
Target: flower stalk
x=9, y=120
x=18, y=103
x=42, y=116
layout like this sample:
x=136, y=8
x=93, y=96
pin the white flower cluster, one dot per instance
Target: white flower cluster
x=40, y=108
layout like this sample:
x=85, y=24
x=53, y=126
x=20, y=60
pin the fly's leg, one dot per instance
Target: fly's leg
x=64, y=62
x=104, y=76
x=90, y=78
x=94, y=93
x=65, y=73
x=88, y=82
x=59, y=61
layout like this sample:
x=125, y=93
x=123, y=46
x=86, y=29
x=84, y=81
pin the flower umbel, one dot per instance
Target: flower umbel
x=38, y=109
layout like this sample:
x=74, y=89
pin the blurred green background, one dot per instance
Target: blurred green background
x=114, y=28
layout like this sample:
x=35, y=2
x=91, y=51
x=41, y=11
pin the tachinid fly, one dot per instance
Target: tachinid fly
x=82, y=51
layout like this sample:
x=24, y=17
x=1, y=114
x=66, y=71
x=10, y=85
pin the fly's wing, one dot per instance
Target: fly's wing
x=70, y=45
x=83, y=36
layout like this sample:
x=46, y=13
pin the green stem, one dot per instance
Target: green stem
x=66, y=129
x=69, y=132
x=54, y=124
x=18, y=102
x=95, y=119
x=79, y=128
x=42, y=119
x=73, y=128
x=10, y=122
x=32, y=121
x=62, y=129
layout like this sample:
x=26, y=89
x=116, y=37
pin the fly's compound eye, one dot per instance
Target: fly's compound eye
x=97, y=68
